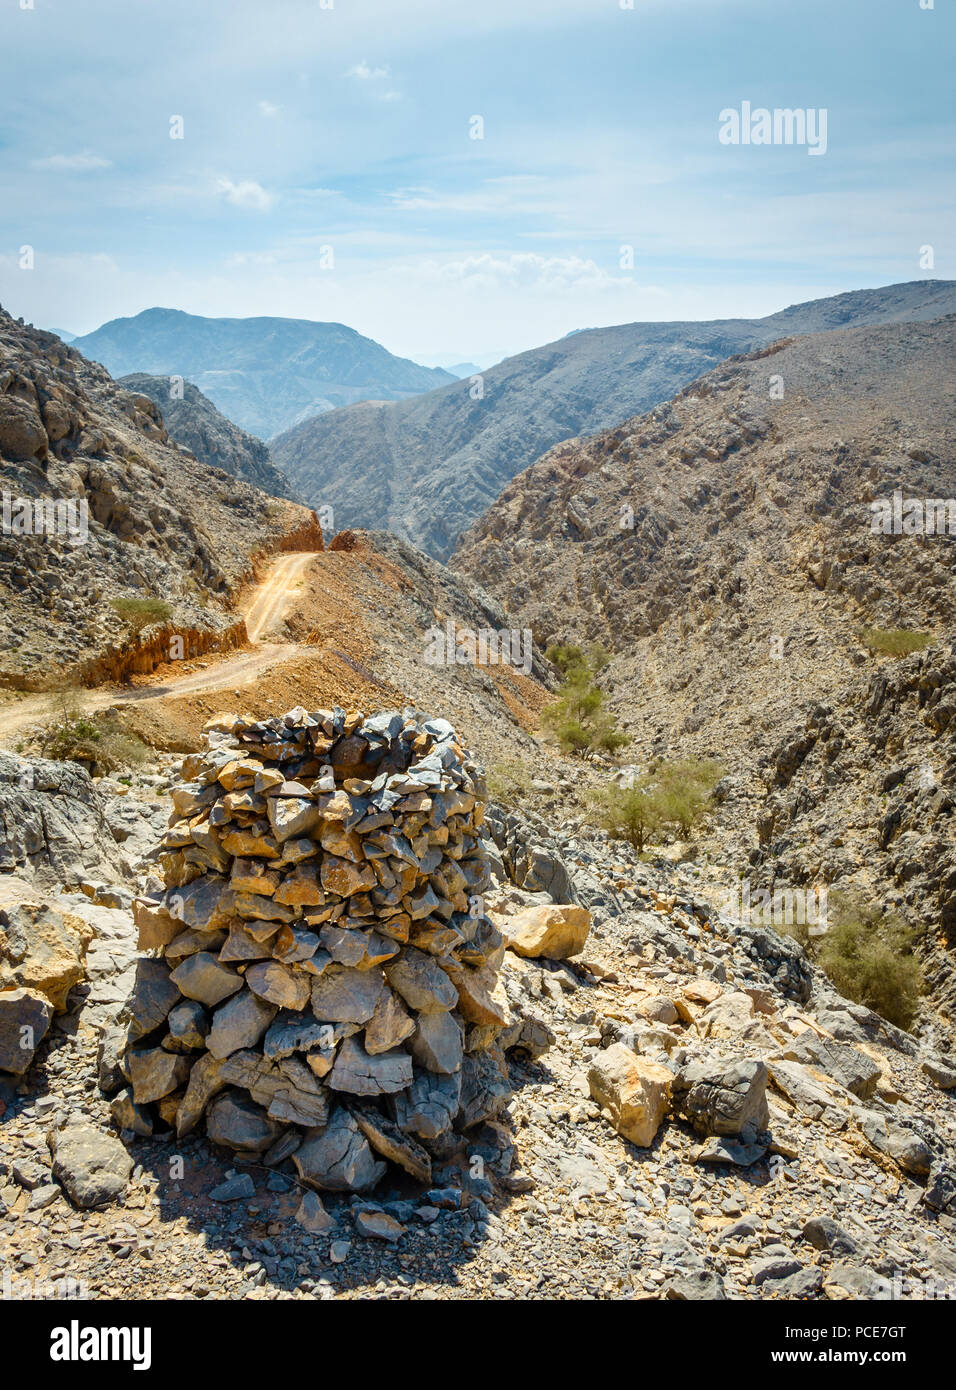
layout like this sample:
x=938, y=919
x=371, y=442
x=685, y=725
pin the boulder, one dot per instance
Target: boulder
x=25, y=1016
x=634, y=1094
x=724, y=1099
x=336, y=1157
x=237, y=1122
x=43, y=949
x=155, y=1073
x=552, y=931
x=239, y=1023
x=202, y=977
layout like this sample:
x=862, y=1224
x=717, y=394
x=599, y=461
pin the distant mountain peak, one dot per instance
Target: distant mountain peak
x=264, y=373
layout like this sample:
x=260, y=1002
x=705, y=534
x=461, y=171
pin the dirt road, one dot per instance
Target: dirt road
x=274, y=597
x=268, y=603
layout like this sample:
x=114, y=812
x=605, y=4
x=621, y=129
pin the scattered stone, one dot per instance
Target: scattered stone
x=380, y=1225
x=237, y=1188
x=311, y=1214
x=93, y=1167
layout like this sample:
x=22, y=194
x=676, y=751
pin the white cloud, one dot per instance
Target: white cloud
x=73, y=163
x=365, y=73
x=266, y=108
x=527, y=270
x=246, y=194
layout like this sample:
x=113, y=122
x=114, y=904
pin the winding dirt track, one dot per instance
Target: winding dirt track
x=272, y=599
x=265, y=608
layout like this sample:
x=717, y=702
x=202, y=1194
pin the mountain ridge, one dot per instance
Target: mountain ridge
x=430, y=466
x=193, y=421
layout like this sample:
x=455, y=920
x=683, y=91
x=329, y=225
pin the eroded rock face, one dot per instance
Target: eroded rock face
x=53, y=825
x=325, y=981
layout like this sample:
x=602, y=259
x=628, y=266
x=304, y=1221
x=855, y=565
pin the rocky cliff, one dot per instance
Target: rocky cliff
x=194, y=422
x=723, y=547
x=108, y=526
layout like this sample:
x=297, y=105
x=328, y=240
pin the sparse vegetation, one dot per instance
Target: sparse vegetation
x=577, y=717
x=868, y=954
x=97, y=740
x=138, y=613
x=895, y=641
x=508, y=782
x=629, y=813
x=672, y=796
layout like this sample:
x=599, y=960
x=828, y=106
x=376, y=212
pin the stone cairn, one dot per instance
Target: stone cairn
x=326, y=984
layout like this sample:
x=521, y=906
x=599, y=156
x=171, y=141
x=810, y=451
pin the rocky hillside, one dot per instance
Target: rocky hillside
x=428, y=467
x=266, y=374
x=722, y=547
x=683, y=1110
x=194, y=422
x=135, y=521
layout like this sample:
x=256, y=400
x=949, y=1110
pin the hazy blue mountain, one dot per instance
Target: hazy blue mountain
x=264, y=374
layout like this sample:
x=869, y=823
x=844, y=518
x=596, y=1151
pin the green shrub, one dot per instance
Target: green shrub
x=671, y=795
x=576, y=717
x=138, y=613
x=869, y=957
x=895, y=641
x=684, y=791
x=565, y=657
x=629, y=813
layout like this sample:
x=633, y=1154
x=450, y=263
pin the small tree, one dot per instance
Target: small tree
x=576, y=717
x=684, y=791
x=629, y=813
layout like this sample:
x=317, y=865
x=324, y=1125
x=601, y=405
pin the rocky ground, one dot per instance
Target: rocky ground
x=790, y=1145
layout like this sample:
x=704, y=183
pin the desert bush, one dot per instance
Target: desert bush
x=895, y=641
x=98, y=740
x=684, y=791
x=673, y=796
x=577, y=717
x=629, y=813
x=868, y=955
x=138, y=613
x=509, y=782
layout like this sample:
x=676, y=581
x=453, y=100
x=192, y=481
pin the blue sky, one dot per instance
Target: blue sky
x=307, y=127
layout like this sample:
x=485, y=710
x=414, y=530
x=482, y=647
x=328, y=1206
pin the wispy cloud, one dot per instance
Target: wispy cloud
x=84, y=163
x=267, y=109
x=245, y=194
x=365, y=73
x=527, y=270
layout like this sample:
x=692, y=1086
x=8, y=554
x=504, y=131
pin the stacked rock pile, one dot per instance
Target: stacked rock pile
x=327, y=984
